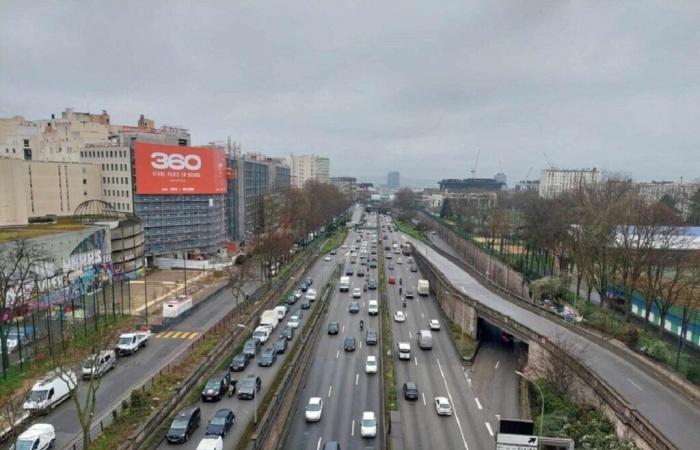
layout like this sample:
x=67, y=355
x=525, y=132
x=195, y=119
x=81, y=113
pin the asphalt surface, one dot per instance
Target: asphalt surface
x=339, y=377
x=668, y=410
x=439, y=372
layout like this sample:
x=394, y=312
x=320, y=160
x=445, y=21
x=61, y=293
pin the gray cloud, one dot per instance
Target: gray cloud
x=414, y=86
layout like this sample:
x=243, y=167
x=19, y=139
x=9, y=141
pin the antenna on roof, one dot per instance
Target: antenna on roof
x=476, y=164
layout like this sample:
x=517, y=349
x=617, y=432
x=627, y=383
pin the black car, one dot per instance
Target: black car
x=372, y=284
x=309, y=281
x=373, y=265
x=287, y=333
x=333, y=328
x=414, y=269
x=349, y=344
x=410, y=391
x=221, y=423
x=334, y=252
x=371, y=338
x=251, y=347
x=239, y=362
x=291, y=299
x=267, y=358
x=306, y=304
x=280, y=345
x=184, y=425
x=354, y=307
x=303, y=287
x=360, y=272
x=216, y=387
x=349, y=271
x=249, y=387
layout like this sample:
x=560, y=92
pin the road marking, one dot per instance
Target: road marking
x=409, y=335
x=488, y=427
x=423, y=394
x=343, y=329
x=422, y=315
x=337, y=354
x=352, y=432
x=469, y=379
x=357, y=378
x=449, y=394
x=635, y=384
x=330, y=391
x=360, y=345
x=415, y=358
x=497, y=363
x=478, y=403
x=318, y=446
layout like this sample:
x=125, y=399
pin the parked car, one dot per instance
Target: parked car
x=184, y=425
x=221, y=423
x=371, y=337
x=50, y=391
x=410, y=390
x=239, y=362
x=249, y=387
x=314, y=409
x=442, y=406
x=349, y=344
x=333, y=328
x=291, y=299
x=216, y=387
x=267, y=358
x=309, y=281
x=280, y=345
x=39, y=436
x=99, y=363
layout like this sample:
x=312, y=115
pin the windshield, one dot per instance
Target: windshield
x=368, y=423
x=87, y=364
x=24, y=444
x=179, y=424
x=213, y=385
x=38, y=396
x=218, y=420
x=239, y=359
x=125, y=340
x=247, y=384
x=313, y=407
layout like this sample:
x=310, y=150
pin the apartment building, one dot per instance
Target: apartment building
x=554, y=182
x=308, y=167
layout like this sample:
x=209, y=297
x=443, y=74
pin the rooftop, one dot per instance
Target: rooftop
x=62, y=225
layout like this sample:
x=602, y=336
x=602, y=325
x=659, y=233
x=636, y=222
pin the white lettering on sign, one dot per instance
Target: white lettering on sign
x=175, y=161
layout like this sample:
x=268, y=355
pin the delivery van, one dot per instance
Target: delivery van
x=50, y=391
x=344, y=284
x=425, y=339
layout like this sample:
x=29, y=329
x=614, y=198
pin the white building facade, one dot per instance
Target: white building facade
x=554, y=182
x=308, y=167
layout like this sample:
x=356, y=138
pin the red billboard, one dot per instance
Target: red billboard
x=170, y=169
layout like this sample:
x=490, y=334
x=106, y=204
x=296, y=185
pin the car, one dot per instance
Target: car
x=262, y=333
x=373, y=264
x=287, y=333
x=356, y=293
x=280, y=345
x=294, y=321
x=309, y=281
x=306, y=304
x=221, y=423
x=371, y=364
x=410, y=260
x=435, y=325
x=297, y=294
x=354, y=307
x=291, y=299
x=333, y=328
x=344, y=247
x=349, y=344
x=314, y=409
x=372, y=284
x=368, y=425
x=371, y=337
x=251, y=347
x=442, y=406
x=248, y=388
x=327, y=258
x=334, y=252
x=414, y=269
x=409, y=292
x=391, y=266
x=360, y=272
x=399, y=316
x=506, y=338
x=211, y=443
x=392, y=279
x=184, y=425
x=311, y=295
x=267, y=358
x=239, y=362
x=303, y=287
x=216, y=387
x=349, y=271
x=388, y=255
x=387, y=247
x=399, y=260
x=97, y=364
x=410, y=391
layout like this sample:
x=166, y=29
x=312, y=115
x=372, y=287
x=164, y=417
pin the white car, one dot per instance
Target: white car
x=294, y=321
x=211, y=443
x=399, y=261
x=39, y=436
x=371, y=364
x=399, y=316
x=314, y=409
x=344, y=246
x=311, y=295
x=442, y=406
x=356, y=293
x=327, y=258
x=435, y=325
x=368, y=427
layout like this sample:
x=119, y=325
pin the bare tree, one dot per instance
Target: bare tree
x=558, y=372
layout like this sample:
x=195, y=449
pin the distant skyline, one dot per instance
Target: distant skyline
x=419, y=89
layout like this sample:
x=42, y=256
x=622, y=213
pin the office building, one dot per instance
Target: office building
x=393, y=180
x=346, y=185
x=308, y=167
x=554, y=182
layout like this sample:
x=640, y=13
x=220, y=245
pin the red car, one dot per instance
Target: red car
x=392, y=279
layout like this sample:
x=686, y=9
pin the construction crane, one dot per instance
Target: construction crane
x=476, y=164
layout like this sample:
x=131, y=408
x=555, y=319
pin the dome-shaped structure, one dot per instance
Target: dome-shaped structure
x=91, y=211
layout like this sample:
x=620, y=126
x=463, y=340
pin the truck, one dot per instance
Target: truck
x=344, y=284
x=269, y=317
x=407, y=249
x=130, y=343
x=423, y=287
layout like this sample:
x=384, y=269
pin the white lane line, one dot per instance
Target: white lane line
x=497, y=363
x=343, y=329
x=459, y=424
x=410, y=336
x=357, y=378
x=415, y=358
x=635, y=384
x=423, y=394
x=337, y=354
x=422, y=315
x=330, y=391
x=318, y=446
x=352, y=432
x=469, y=379
x=360, y=345
x=488, y=427
x=478, y=403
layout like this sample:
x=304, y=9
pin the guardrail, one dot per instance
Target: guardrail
x=623, y=410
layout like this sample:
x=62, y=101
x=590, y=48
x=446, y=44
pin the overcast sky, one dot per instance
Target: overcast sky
x=412, y=86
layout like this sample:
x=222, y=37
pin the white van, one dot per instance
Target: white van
x=211, y=443
x=39, y=436
x=281, y=311
x=99, y=364
x=344, y=284
x=51, y=390
x=423, y=287
x=262, y=333
x=425, y=339
x=373, y=307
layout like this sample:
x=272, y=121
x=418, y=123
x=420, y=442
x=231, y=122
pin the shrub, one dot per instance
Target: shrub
x=693, y=374
x=658, y=351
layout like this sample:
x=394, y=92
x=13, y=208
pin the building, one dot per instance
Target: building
x=115, y=164
x=365, y=191
x=500, y=177
x=528, y=186
x=346, y=185
x=432, y=199
x=680, y=193
x=554, y=182
x=308, y=167
x=470, y=184
x=393, y=180
x=34, y=189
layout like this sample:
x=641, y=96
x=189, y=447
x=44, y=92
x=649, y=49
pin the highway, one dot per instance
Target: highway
x=339, y=377
x=439, y=372
x=668, y=410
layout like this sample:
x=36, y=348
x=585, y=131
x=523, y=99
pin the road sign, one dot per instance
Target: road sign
x=515, y=442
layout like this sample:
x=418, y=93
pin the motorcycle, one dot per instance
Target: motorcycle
x=362, y=325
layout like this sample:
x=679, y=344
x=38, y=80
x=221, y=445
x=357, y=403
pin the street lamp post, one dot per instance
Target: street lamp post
x=517, y=372
x=255, y=392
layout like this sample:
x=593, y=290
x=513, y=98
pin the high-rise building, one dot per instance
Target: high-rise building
x=308, y=167
x=393, y=180
x=554, y=182
x=346, y=185
x=679, y=193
